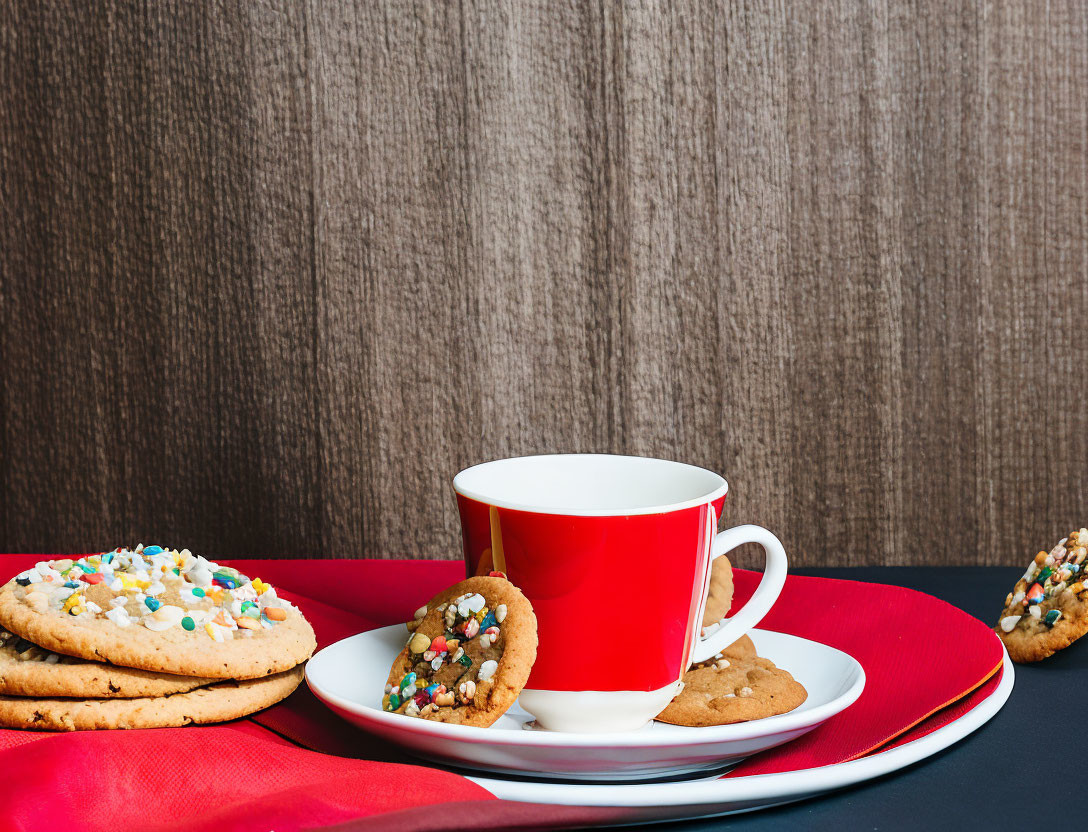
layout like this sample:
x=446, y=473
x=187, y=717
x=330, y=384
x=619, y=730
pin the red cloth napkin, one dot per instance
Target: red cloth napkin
x=919, y=654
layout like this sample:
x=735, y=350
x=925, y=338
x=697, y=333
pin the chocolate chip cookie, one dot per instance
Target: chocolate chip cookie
x=734, y=686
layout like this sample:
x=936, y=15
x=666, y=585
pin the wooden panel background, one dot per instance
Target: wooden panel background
x=271, y=272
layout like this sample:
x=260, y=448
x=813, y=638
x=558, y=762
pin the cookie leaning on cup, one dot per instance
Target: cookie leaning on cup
x=719, y=596
x=468, y=656
x=1047, y=609
x=158, y=610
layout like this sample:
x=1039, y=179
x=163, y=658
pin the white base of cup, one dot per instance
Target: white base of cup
x=595, y=712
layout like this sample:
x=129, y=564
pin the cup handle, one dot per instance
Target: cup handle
x=774, y=577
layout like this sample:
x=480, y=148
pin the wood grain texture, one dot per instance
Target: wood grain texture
x=271, y=273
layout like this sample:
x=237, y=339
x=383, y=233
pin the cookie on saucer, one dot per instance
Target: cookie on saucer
x=469, y=655
x=720, y=596
x=734, y=686
x=1047, y=610
x=28, y=670
x=158, y=610
x=220, y=702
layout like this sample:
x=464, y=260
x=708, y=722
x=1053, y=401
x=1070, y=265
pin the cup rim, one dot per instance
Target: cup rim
x=720, y=490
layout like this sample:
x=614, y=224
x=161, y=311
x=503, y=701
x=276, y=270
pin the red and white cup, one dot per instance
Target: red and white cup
x=614, y=552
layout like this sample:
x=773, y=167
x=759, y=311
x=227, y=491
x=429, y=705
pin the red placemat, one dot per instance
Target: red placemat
x=919, y=654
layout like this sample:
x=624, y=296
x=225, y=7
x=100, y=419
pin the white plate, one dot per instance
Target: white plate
x=647, y=803
x=349, y=676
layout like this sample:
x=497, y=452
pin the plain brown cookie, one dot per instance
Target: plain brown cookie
x=482, y=673
x=29, y=670
x=720, y=597
x=1047, y=610
x=738, y=687
x=220, y=645
x=215, y=703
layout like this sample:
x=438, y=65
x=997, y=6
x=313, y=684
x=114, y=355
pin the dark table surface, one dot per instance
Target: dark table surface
x=1004, y=775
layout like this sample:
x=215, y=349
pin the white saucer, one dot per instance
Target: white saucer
x=703, y=798
x=349, y=676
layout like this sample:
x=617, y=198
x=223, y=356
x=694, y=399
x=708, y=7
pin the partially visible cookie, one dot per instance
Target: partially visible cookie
x=736, y=686
x=1047, y=610
x=720, y=597
x=29, y=670
x=215, y=703
x=159, y=610
x=469, y=656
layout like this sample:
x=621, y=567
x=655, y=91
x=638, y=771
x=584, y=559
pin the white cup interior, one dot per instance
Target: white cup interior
x=590, y=484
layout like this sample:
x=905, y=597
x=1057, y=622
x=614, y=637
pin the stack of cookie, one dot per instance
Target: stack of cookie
x=143, y=638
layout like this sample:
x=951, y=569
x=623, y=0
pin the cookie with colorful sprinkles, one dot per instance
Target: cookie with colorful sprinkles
x=28, y=670
x=219, y=702
x=469, y=654
x=158, y=610
x=1047, y=609
x=735, y=686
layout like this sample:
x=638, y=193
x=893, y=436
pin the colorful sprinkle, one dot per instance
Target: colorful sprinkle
x=215, y=631
x=1008, y=622
x=1052, y=617
x=188, y=623
x=152, y=603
